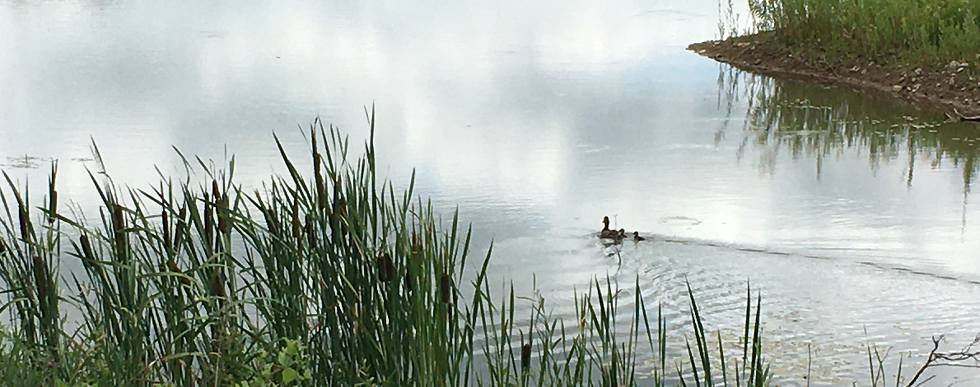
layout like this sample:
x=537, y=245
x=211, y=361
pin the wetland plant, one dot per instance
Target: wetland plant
x=924, y=32
x=329, y=279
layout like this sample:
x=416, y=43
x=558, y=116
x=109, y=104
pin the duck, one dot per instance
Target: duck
x=637, y=237
x=606, y=233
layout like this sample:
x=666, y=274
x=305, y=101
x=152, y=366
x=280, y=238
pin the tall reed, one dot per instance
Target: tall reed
x=333, y=279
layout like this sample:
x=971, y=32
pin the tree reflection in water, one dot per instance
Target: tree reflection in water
x=820, y=122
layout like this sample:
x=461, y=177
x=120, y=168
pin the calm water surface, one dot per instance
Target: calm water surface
x=852, y=215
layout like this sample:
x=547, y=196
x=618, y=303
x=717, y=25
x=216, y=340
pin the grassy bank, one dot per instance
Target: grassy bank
x=920, y=51
x=332, y=278
x=920, y=32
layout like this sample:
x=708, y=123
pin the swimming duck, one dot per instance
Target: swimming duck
x=606, y=233
x=637, y=237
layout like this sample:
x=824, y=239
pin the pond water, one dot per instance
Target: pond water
x=851, y=214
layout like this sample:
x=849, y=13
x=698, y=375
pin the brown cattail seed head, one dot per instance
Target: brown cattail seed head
x=208, y=226
x=445, y=288
x=222, y=222
x=165, y=220
x=25, y=222
x=308, y=230
x=179, y=230
x=215, y=191
x=86, y=247
x=218, y=284
x=385, y=269
x=119, y=233
x=40, y=277
x=53, y=206
x=526, y=355
x=296, y=224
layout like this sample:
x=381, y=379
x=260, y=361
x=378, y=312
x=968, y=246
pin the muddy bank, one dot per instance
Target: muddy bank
x=953, y=89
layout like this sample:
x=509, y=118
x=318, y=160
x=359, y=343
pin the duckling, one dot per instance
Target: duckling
x=614, y=237
x=637, y=237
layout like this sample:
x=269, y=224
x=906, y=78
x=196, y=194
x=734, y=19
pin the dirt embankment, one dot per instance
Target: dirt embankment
x=953, y=89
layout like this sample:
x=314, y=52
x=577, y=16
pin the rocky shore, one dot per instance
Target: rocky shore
x=953, y=89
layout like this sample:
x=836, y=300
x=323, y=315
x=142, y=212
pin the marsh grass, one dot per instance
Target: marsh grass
x=333, y=279
x=928, y=32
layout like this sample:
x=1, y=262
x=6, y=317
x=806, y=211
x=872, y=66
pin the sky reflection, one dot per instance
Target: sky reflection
x=535, y=120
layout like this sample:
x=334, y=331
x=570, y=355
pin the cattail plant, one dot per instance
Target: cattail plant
x=204, y=284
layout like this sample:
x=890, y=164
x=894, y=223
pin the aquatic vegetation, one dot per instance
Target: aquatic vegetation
x=24, y=162
x=333, y=279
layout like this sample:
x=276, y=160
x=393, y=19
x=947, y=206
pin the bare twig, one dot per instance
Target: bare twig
x=949, y=359
x=957, y=117
x=929, y=360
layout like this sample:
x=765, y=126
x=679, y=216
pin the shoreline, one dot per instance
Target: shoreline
x=951, y=89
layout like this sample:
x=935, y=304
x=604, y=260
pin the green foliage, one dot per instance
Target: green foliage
x=929, y=32
x=289, y=368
